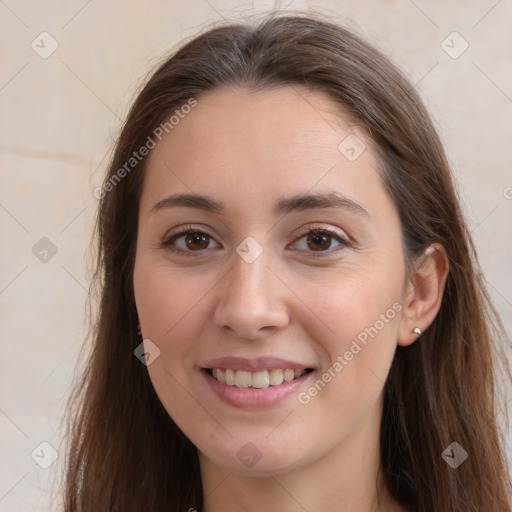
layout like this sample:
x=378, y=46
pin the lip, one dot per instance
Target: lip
x=252, y=398
x=255, y=364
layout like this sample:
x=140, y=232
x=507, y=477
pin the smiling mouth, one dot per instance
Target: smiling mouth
x=257, y=380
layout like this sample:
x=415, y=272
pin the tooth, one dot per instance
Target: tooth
x=288, y=375
x=230, y=377
x=276, y=377
x=260, y=379
x=243, y=379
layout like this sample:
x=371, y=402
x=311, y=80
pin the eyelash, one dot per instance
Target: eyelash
x=185, y=230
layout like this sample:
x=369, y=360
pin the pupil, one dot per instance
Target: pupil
x=321, y=239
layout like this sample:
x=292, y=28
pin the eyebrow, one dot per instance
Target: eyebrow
x=284, y=205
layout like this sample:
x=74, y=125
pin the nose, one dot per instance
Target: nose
x=251, y=300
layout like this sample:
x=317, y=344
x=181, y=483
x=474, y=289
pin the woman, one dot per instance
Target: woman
x=292, y=316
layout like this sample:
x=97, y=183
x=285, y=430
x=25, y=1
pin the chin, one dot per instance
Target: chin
x=256, y=459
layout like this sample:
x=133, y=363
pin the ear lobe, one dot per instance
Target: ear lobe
x=424, y=293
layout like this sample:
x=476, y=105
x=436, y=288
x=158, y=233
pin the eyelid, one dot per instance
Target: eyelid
x=185, y=229
x=304, y=230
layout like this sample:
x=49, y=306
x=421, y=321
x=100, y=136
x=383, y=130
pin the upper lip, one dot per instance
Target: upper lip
x=254, y=364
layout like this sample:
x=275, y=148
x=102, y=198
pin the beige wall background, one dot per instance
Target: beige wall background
x=68, y=72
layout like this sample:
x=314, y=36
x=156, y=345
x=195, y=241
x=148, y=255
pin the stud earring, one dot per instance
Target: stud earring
x=417, y=331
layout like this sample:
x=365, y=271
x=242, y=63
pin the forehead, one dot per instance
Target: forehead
x=274, y=117
x=245, y=142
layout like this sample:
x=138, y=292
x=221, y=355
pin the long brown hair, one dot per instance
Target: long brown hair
x=126, y=453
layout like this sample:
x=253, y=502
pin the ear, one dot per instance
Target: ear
x=423, y=293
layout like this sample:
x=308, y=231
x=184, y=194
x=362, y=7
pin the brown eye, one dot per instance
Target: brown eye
x=189, y=242
x=196, y=241
x=319, y=241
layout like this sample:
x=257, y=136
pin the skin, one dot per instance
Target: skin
x=247, y=149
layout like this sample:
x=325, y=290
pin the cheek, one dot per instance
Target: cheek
x=168, y=299
x=170, y=305
x=363, y=316
x=351, y=304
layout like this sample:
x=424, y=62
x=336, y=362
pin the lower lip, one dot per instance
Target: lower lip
x=252, y=398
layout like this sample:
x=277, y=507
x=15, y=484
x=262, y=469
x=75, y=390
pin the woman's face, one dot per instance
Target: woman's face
x=262, y=286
